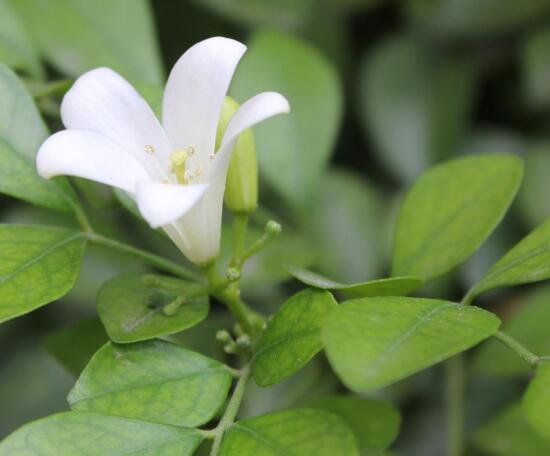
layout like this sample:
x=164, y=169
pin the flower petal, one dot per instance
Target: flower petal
x=103, y=101
x=161, y=204
x=195, y=92
x=88, y=154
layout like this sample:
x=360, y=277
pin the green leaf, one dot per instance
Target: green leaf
x=536, y=68
x=451, y=210
x=509, y=434
x=38, y=265
x=374, y=423
x=373, y=342
x=393, y=286
x=536, y=402
x=93, y=434
x=295, y=432
x=16, y=48
x=74, y=346
x=527, y=262
x=293, y=149
x=22, y=131
x=114, y=33
x=133, y=312
x=153, y=381
x=292, y=337
x=413, y=105
x=526, y=322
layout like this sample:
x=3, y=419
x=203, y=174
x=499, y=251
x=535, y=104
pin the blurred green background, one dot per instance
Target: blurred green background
x=380, y=90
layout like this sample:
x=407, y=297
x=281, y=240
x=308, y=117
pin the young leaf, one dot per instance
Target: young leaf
x=374, y=423
x=509, y=434
x=275, y=61
x=74, y=346
x=373, y=342
x=21, y=133
x=393, y=286
x=152, y=381
x=299, y=432
x=527, y=262
x=113, y=33
x=38, y=265
x=292, y=337
x=451, y=210
x=133, y=312
x=536, y=402
x=93, y=434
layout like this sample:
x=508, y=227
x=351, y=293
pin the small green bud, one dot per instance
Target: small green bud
x=241, y=189
x=273, y=228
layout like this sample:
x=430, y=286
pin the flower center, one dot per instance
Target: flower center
x=177, y=165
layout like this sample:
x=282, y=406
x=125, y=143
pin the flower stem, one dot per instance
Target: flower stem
x=272, y=229
x=150, y=258
x=231, y=411
x=240, y=227
x=455, y=384
x=522, y=351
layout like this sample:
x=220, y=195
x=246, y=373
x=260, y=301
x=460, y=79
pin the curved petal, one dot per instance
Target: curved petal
x=194, y=95
x=103, y=101
x=161, y=204
x=90, y=155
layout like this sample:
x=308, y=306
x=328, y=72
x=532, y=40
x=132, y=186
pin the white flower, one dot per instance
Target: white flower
x=172, y=171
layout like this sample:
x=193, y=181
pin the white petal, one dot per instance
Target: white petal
x=103, y=101
x=90, y=155
x=195, y=92
x=161, y=204
x=253, y=111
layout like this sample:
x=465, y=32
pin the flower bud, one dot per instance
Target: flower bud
x=241, y=189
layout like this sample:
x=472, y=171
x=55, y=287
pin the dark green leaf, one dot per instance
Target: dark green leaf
x=451, y=210
x=296, y=432
x=133, y=312
x=21, y=133
x=374, y=423
x=93, y=434
x=536, y=402
x=153, y=381
x=373, y=342
x=114, y=33
x=293, y=149
x=292, y=337
x=536, y=68
x=74, y=346
x=37, y=265
x=394, y=286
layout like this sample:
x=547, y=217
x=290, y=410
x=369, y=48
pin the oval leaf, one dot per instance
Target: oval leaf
x=527, y=262
x=93, y=434
x=289, y=162
x=292, y=337
x=451, y=210
x=393, y=286
x=153, y=381
x=37, y=265
x=300, y=432
x=373, y=342
x=133, y=312
x=536, y=402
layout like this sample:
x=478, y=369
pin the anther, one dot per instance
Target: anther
x=190, y=151
x=211, y=157
x=149, y=149
x=188, y=176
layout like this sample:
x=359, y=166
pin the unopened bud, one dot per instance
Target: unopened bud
x=273, y=228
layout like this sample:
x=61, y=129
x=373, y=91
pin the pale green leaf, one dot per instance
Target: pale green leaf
x=153, y=381
x=451, y=210
x=536, y=402
x=93, y=434
x=293, y=149
x=393, y=286
x=295, y=432
x=37, y=265
x=292, y=337
x=132, y=311
x=373, y=342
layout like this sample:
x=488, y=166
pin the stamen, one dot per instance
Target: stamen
x=149, y=149
x=188, y=176
x=211, y=157
x=190, y=151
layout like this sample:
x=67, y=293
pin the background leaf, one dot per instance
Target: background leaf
x=37, y=265
x=450, y=211
x=153, y=381
x=373, y=342
x=536, y=402
x=292, y=336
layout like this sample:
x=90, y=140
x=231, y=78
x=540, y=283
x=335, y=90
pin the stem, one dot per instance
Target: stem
x=272, y=229
x=240, y=226
x=151, y=258
x=522, y=351
x=454, y=373
x=231, y=411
